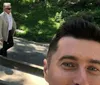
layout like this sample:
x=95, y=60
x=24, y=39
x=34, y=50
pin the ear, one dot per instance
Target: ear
x=45, y=71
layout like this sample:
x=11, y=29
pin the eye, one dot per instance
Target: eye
x=69, y=65
x=92, y=68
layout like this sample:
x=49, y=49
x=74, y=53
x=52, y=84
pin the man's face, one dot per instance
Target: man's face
x=76, y=62
x=7, y=9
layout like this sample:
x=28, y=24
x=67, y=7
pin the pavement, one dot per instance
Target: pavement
x=28, y=51
x=24, y=51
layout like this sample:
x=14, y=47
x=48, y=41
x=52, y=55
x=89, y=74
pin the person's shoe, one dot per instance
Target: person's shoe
x=3, y=53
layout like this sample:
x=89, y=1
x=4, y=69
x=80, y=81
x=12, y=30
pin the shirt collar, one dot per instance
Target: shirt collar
x=8, y=14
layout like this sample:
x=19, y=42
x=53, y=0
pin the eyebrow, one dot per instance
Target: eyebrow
x=68, y=57
x=95, y=61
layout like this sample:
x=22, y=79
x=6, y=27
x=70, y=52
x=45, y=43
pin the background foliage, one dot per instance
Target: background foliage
x=38, y=20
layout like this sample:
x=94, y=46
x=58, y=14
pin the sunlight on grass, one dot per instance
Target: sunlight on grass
x=48, y=5
x=24, y=28
x=51, y=19
x=58, y=16
x=41, y=22
x=55, y=24
x=25, y=16
x=33, y=0
x=40, y=32
x=24, y=1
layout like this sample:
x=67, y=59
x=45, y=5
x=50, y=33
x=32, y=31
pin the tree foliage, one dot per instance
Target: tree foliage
x=39, y=19
x=88, y=9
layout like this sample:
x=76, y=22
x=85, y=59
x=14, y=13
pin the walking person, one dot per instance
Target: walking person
x=7, y=29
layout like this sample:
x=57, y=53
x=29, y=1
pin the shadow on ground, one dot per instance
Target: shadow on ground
x=19, y=78
x=28, y=51
x=24, y=51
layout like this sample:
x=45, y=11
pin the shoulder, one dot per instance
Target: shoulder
x=0, y=18
x=2, y=14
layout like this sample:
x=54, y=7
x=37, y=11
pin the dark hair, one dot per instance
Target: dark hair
x=77, y=28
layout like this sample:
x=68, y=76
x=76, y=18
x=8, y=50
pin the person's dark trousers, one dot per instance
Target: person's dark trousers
x=7, y=44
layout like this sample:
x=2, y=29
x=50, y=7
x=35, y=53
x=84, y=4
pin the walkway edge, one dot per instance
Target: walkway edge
x=21, y=66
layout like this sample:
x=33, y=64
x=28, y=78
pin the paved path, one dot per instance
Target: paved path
x=25, y=51
x=28, y=51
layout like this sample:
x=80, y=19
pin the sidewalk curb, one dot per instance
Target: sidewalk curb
x=21, y=66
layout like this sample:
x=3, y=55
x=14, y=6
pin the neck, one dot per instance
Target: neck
x=7, y=12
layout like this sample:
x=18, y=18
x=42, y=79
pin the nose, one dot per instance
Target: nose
x=81, y=77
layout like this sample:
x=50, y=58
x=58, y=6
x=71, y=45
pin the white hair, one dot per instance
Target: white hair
x=6, y=4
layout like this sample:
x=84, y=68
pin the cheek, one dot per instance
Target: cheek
x=59, y=77
x=94, y=80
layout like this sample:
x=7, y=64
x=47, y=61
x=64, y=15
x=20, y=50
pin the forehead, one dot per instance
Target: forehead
x=7, y=6
x=78, y=47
